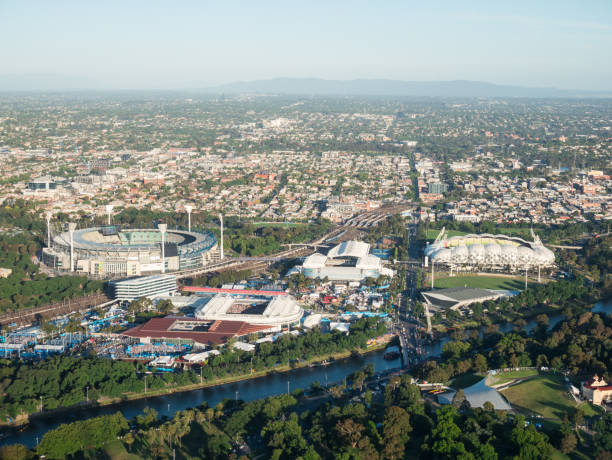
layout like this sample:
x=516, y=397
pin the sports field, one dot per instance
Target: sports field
x=432, y=233
x=478, y=281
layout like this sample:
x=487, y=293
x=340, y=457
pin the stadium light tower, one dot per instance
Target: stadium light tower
x=109, y=211
x=432, y=274
x=162, y=229
x=49, y=215
x=221, y=247
x=188, y=208
x=71, y=229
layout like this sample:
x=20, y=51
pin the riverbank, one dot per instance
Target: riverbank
x=23, y=420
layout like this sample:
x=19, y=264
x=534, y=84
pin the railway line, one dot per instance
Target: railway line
x=28, y=315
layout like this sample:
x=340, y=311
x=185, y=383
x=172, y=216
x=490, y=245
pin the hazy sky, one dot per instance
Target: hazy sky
x=188, y=44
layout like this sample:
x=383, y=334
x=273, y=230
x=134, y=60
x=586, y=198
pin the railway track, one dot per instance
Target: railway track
x=29, y=315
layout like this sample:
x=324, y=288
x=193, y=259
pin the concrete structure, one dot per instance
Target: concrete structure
x=477, y=395
x=597, y=390
x=489, y=252
x=200, y=333
x=348, y=261
x=144, y=286
x=188, y=208
x=456, y=298
x=276, y=311
x=111, y=251
x=45, y=183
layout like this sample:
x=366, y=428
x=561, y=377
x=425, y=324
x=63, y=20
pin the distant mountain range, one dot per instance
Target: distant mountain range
x=363, y=87
x=310, y=86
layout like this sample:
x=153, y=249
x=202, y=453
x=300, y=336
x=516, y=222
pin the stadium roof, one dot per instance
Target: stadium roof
x=279, y=310
x=209, y=333
x=457, y=297
x=477, y=395
x=93, y=238
x=350, y=249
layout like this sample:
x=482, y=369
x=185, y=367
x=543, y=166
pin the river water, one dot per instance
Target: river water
x=246, y=390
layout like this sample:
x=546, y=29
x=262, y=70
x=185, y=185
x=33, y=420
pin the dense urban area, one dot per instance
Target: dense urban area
x=190, y=275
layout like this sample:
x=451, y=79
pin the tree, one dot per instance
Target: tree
x=480, y=363
x=15, y=452
x=603, y=436
x=349, y=431
x=459, y=399
x=396, y=432
x=569, y=443
x=578, y=417
x=165, y=306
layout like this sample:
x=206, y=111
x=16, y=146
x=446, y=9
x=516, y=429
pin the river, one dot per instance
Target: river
x=246, y=390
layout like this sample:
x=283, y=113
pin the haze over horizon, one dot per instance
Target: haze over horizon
x=154, y=45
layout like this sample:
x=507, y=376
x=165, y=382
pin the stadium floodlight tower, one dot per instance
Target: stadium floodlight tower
x=162, y=229
x=221, y=246
x=71, y=229
x=49, y=215
x=188, y=208
x=109, y=211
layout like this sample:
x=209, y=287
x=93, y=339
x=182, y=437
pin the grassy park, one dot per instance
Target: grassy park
x=480, y=281
x=544, y=394
x=504, y=377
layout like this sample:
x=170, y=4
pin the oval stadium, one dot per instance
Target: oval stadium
x=490, y=252
x=111, y=251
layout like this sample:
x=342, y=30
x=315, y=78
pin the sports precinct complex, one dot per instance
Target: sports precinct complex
x=111, y=251
x=488, y=252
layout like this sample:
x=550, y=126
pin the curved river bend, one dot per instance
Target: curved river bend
x=246, y=390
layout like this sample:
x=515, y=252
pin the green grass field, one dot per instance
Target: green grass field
x=545, y=395
x=465, y=380
x=115, y=450
x=478, y=281
x=507, y=376
x=432, y=233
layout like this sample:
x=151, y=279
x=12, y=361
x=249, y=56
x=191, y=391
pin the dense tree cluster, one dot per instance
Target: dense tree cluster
x=62, y=381
x=597, y=255
x=581, y=344
x=249, y=239
x=82, y=435
x=26, y=286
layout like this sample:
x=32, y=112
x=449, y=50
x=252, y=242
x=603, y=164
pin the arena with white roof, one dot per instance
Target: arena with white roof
x=348, y=261
x=281, y=310
x=492, y=252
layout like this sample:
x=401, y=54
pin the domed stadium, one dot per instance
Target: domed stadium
x=111, y=251
x=489, y=252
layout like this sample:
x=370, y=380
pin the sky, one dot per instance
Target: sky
x=182, y=44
